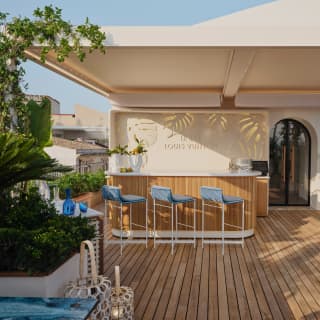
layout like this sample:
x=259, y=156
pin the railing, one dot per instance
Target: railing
x=84, y=168
x=91, y=167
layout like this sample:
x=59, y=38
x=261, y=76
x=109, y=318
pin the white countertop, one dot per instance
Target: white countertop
x=221, y=173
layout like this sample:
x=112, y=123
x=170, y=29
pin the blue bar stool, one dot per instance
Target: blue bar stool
x=163, y=194
x=215, y=195
x=111, y=193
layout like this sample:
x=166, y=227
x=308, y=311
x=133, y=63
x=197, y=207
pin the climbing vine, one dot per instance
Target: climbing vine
x=51, y=33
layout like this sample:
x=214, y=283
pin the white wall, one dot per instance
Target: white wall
x=194, y=141
x=65, y=156
x=175, y=144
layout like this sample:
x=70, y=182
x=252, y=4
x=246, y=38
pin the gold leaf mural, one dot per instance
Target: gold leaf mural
x=218, y=119
x=178, y=122
x=252, y=130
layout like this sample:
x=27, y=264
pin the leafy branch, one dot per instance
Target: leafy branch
x=54, y=35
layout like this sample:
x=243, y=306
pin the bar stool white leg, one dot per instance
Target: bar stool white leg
x=194, y=223
x=222, y=229
x=130, y=226
x=154, y=223
x=242, y=224
x=172, y=240
x=202, y=222
x=105, y=211
x=147, y=223
x=121, y=228
x=176, y=211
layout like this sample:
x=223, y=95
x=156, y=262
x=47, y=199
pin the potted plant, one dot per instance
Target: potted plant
x=136, y=154
x=118, y=157
x=85, y=187
x=38, y=247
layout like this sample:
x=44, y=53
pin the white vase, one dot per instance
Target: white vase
x=136, y=162
x=118, y=161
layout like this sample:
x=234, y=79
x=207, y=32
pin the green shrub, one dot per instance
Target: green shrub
x=34, y=238
x=81, y=183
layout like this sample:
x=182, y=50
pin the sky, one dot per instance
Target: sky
x=112, y=12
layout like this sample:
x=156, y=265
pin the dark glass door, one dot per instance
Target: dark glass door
x=289, y=164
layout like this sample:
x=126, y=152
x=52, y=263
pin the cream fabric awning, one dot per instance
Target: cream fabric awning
x=266, y=56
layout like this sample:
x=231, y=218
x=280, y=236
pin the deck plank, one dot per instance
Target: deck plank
x=284, y=294
x=178, y=284
x=213, y=308
x=304, y=286
x=252, y=300
x=288, y=274
x=276, y=275
x=241, y=293
x=168, y=288
x=231, y=290
x=222, y=287
x=160, y=284
x=204, y=286
x=195, y=286
x=299, y=260
x=187, y=281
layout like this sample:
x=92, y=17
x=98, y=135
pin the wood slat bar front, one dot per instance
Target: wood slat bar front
x=240, y=186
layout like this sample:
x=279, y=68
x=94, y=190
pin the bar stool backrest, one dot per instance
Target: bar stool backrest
x=211, y=194
x=111, y=193
x=161, y=193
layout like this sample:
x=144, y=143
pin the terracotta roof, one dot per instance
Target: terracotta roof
x=78, y=145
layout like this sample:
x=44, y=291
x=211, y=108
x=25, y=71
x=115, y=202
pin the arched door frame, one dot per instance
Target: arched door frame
x=286, y=121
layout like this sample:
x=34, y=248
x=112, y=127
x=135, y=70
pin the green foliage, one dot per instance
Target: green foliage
x=55, y=36
x=81, y=182
x=122, y=150
x=140, y=147
x=33, y=237
x=40, y=121
x=21, y=160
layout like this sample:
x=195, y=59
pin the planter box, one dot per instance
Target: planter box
x=51, y=285
x=92, y=198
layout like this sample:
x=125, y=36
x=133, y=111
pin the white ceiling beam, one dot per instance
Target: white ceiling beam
x=240, y=61
x=63, y=71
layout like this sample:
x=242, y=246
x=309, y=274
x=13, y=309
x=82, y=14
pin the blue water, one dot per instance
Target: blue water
x=45, y=308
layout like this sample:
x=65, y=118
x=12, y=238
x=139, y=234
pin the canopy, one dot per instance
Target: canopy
x=266, y=56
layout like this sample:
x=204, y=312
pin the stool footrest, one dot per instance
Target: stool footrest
x=225, y=241
x=184, y=241
x=185, y=225
x=137, y=225
x=174, y=241
x=232, y=225
x=124, y=241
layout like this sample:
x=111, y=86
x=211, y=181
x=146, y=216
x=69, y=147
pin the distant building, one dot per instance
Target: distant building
x=85, y=124
x=84, y=157
x=55, y=104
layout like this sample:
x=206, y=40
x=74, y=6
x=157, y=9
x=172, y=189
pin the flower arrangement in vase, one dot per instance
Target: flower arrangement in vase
x=136, y=154
x=118, y=157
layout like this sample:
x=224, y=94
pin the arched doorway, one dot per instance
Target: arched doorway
x=290, y=149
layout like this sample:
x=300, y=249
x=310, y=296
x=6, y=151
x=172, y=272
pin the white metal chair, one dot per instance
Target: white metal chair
x=111, y=193
x=215, y=195
x=162, y=195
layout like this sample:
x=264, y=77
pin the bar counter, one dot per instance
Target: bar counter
x=234, y=183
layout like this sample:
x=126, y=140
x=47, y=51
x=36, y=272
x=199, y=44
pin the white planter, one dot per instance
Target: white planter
x=51, y=285
x=136, y=162
x=118, y=161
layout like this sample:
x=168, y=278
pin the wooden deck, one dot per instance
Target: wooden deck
x=276, y=275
